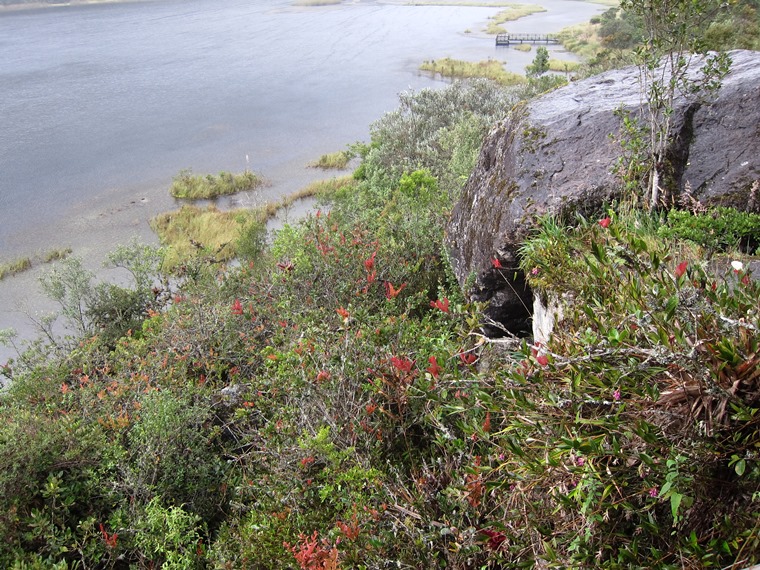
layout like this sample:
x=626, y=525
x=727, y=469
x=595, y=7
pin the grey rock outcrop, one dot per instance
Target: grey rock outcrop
x=556, y=154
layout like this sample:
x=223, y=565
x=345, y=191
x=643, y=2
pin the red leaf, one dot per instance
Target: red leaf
x=391, y=292
x=443, y=305
x=434, y=369
x=467, y=358
x=605, y=222
x=496, y=264
x=681, y=269
x=237, y=307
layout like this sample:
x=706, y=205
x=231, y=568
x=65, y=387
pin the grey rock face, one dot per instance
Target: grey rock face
x=556, y=155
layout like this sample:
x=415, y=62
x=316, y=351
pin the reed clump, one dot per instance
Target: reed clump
x=206, y=187
x=458, y=69
x=332, y=161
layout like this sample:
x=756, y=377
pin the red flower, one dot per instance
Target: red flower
x=342, y=312
x=681, y=269
x=402, y=364
x=237, y=307
x=496, y=264
x=110, y=539
x=495, y=538
x=434, y=369
x=369, y=263
x=443, y=305
x=467, y=358
x=487, y=423
x=605, y=222
x=323, y=375
x=391, y=292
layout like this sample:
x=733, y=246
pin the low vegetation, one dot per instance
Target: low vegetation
x=333, y=161
x=316, y=2
x=192, y=232
x=514, y=12
x=22, y=264
x=199, y=187
x=563, y=65
x=13, y=267
x=458, y=69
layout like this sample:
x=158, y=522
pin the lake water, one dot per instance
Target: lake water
x=101, y=105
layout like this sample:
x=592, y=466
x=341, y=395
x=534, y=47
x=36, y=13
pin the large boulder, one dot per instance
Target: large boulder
x=556, y=154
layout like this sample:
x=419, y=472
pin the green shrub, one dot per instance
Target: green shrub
x=718, y=229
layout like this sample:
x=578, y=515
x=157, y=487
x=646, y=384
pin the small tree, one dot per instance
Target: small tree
x=673, y=39
x=540, y=64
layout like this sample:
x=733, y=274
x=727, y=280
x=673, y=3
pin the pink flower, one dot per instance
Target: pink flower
x=535, y=271
x=653, y=492
x=616, y=395
x=605, y=222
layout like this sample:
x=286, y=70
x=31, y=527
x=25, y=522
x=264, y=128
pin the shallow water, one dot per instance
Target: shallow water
x=102, y=104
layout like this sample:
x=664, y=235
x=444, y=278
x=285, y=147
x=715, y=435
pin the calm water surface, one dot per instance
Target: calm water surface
x=101, y=105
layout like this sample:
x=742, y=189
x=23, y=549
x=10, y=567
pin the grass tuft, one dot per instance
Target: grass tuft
x=563, y=65
x=190, y=187
x=13, y=267
x=332, y=161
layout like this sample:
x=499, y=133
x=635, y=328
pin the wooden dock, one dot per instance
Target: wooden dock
x=507, y=39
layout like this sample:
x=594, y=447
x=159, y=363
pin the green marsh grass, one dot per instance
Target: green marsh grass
x=332, y=161
x=200, y=187
x=564, y=66
x=191, y=230
x=15, y=266
x=56, y=254
x=583, y=40
x=458, y=69
x=22, y=264
x=316, y=2
x=514, y=12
